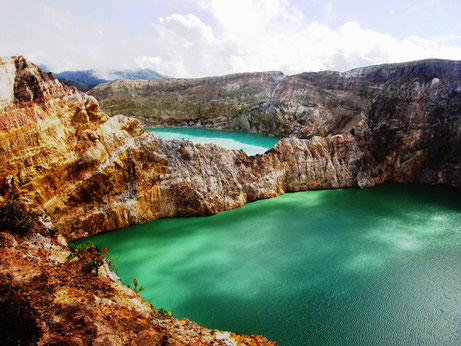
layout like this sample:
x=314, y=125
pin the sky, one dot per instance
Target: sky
x=197, y=38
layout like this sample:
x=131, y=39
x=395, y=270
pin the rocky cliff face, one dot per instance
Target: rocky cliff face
x=92, y=173
x=405, y=118
x=47, y=300
x=266, y=103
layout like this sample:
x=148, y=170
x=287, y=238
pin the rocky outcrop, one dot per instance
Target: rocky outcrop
x=405, y=117
x=48, y=300
x=92, y=173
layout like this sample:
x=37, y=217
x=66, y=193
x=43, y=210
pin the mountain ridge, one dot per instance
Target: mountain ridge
x=84, y=80
x=364, y=71
x=63, y=149
x=270, y=102
x=93, y=173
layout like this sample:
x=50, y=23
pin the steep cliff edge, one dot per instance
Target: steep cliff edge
x=404, y=117
x=92, y=173
x=56, y=141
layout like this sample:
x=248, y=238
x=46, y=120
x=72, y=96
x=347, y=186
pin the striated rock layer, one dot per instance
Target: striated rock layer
x=404, y=117
x=92, y=173
x=271, y=103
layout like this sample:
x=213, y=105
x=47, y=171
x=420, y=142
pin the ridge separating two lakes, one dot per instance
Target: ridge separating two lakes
x=250, y=143
x=345, y=266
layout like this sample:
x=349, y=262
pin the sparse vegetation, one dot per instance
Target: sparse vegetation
x=163, y=312
x=53, y=231
x=92, y=256
x=135, y=286
x=13, y=215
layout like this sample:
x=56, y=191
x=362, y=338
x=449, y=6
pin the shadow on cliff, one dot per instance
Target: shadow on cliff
x=302, y=254
x=318, y=219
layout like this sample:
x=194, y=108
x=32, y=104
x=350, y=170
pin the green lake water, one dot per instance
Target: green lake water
x=250, y=143
x=377, y=266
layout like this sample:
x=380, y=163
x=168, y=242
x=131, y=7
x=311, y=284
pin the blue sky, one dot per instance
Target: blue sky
x=194, y=38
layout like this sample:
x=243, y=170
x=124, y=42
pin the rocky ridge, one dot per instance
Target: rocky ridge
x=92, y=173
x=57, y=141
x=303, y=105
x=405, y=118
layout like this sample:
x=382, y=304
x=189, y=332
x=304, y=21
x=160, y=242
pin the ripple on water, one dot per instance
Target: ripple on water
x=373, y=266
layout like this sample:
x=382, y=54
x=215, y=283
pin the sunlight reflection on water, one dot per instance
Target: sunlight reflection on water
x=373, y=266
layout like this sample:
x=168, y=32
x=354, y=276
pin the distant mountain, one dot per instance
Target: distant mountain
x=84, y=80
x=141, y=74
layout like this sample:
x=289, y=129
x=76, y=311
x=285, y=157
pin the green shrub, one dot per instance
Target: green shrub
x=163, y=312
x=13, y=215
x=53, y=231
x=92, y=256
x=135, y=286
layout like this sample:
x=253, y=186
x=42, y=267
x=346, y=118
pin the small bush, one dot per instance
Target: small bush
x=8, y=188
x=92, y=256
x=135, y=286
x=163, y=312
x=13, y=215
x=53, y=231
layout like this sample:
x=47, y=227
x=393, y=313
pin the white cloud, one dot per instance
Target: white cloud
x=219, y=37
x=256, y=35
x=237, y=17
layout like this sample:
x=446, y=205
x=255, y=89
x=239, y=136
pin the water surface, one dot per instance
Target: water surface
x=335, y=267
x=250, y=143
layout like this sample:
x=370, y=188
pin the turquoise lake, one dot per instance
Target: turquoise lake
x=377, y=266
x=250, y=143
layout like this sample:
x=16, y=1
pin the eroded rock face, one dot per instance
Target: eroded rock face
x=405, y=117
x=266, y=103
x=92, y=173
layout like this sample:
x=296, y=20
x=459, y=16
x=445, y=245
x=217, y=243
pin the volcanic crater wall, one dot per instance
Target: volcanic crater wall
x=93, y=173
x=89, y=173
x=404, y=117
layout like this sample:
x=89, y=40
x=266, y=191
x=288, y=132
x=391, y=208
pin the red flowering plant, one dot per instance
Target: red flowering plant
x=8, y=189
x=92, y=256
x=13, y=215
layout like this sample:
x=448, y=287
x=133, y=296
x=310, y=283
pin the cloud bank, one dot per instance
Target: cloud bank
x=220, y=37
